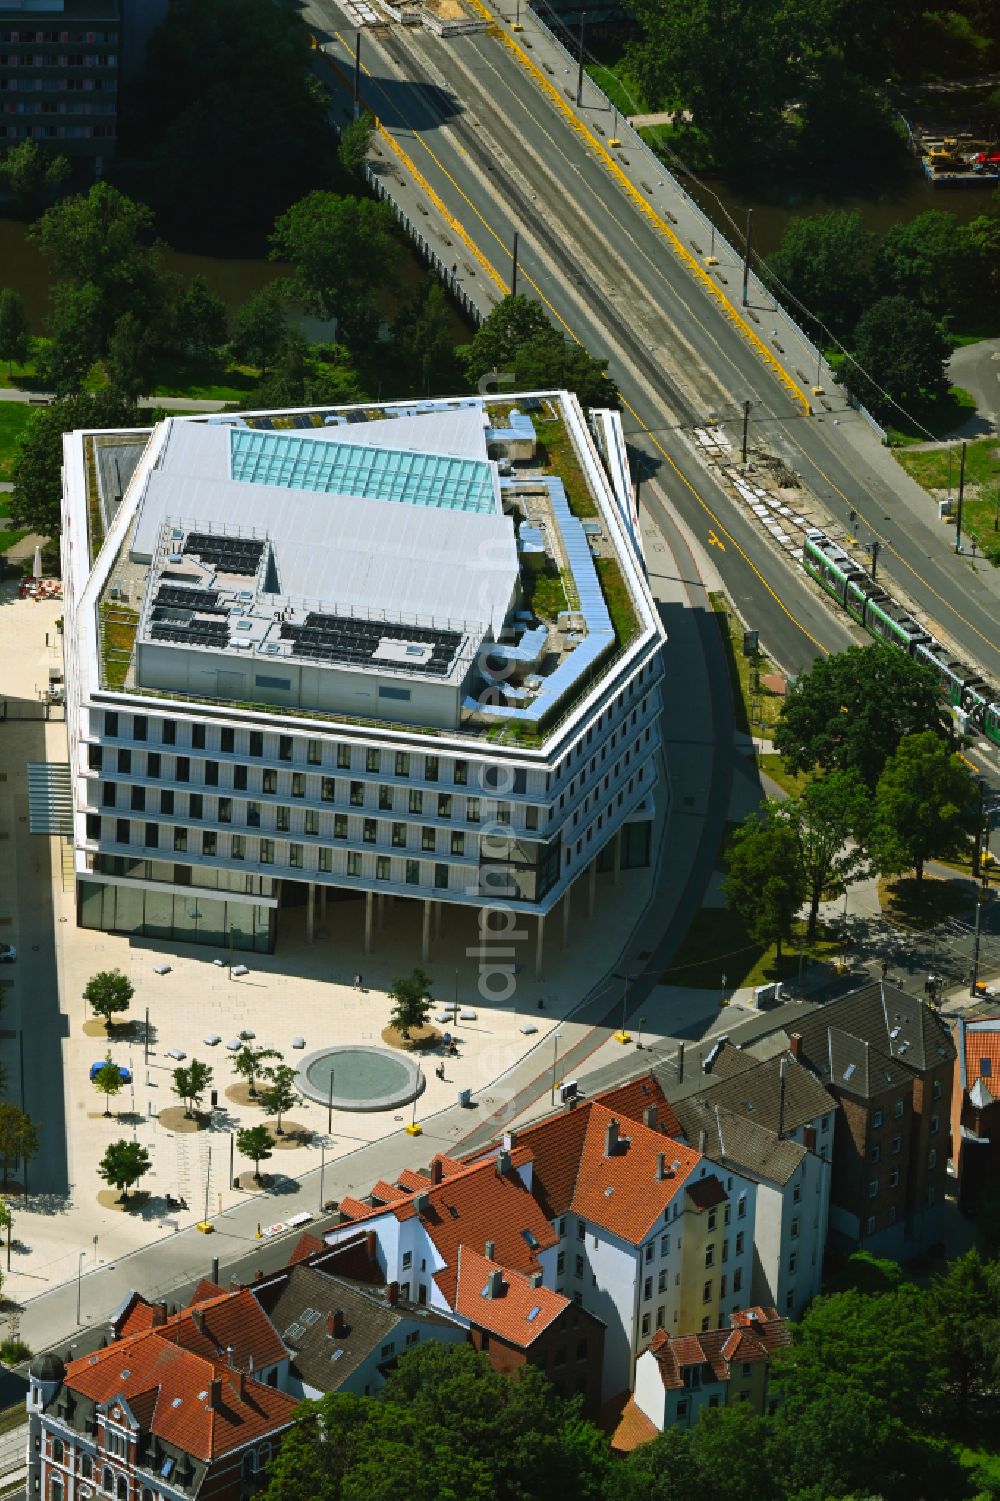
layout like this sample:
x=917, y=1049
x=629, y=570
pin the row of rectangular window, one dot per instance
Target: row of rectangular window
x=185, y=841
x=376, y=760
x=140, y=798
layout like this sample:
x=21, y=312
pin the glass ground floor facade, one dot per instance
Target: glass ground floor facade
x=181, y=917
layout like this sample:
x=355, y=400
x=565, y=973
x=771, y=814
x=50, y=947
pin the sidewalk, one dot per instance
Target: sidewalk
x=169, y=403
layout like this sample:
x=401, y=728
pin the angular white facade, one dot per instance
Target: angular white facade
x=317, y=648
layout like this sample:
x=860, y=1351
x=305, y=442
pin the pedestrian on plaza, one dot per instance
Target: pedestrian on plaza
x=357, y=981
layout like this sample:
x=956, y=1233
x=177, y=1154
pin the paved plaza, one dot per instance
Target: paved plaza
x=303, y=991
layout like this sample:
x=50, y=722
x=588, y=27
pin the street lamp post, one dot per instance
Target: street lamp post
x=555, y=1055
x=329, y=1105
x=625, y=977
x=79, y=1286
x=322, y=1172
x=642, y=1023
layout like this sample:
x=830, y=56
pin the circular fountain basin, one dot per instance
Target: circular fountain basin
x=363, y=1078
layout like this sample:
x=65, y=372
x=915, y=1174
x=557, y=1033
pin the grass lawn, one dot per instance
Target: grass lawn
x=792, y=782
x=204, y=379
x=620, y=88
x=14, y=418
x=118, y=628
x=932, y=467
x=749, y=702
x=717, y=943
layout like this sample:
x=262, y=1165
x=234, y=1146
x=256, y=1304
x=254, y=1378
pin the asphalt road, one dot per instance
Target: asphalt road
x=500, y=157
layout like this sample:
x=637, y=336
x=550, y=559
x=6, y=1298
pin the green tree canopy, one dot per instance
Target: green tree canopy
x=124, y=1163
x=74, y=342
x=37, y=496
x=930, y=260
x=129, y=360
x=30, y=173
x=251, y=1063
x=190, y=1083
x=518, y=339
x=280, y=1094
x=216, y=69
x=108, y=1081
x=964, y=1302
x=422, y=342
x=14, y=339
x=828, y=262
x=355, y=142
x=342, y=250
x=260, y=329
x=109, y=993
x=851, y=709
x=900, y=353
x=925, y=805
x=411, y=1001
x=828, y=819
x=513, y=322
x=18, y=1137
x=764, y=883
x=254, y=1142
x=201, y=319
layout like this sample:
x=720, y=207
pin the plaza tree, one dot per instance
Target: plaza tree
x=255, y=1142
x=764, y=883
x=190, y=1084
x=411, y=1001
x=124, y=1163
x=108, y=1081
x=18, y=1138
x=851, y=709
x=14, y=338
x=109, y=993
x=280, y=1094
x=926, y=804
x=252, y=1063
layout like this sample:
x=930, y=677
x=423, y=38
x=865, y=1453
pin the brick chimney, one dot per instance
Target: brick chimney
x=810, y=1138
x=370, y=1244
x=392, y=1293
x=243, y=1385
x=215, y=1393
x=490, y=1250
x=437, y=1171
x=503, y=1163
x=509, y=1139
x=650, y=1117
x=159, y=1315
x=336, y=1324
x=494, y=1285
x=198, y=1319
x=611, y=1138
x=795, y=1044
x=662, y=1171
x=781, y=1096
x=702, y=1140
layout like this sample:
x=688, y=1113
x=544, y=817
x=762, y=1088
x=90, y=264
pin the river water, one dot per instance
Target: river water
x=911, y=194
x=23, y=267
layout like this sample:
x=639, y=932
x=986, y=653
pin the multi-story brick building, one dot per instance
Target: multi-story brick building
x=887, y=1058
x=975, y=1105
x=59, y=71
x=174, y=1408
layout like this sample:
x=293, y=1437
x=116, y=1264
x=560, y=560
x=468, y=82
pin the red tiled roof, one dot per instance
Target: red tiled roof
x=233, y=1322
x=206, y=1289
x=755, y=1333
x=636, y=1097
x=517, y=1312
x=982, y=1042
x=625, y=1423
x=169, y=1390
x=623, y=1192
x=306, y=1245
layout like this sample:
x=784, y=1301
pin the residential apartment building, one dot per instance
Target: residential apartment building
x=680, y=1376
x=174, y=1408
x=308, y=654
x=887, y=1058
x=59, y=72
x=975, y=1105
x=771, y=1120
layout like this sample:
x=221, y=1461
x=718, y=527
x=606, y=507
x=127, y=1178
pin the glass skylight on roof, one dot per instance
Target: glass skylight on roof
x=419, y=479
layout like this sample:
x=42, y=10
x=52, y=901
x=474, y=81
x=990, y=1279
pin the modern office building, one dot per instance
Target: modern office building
x=59, y=67
x=405, y=652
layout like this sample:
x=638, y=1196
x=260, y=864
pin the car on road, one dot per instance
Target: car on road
x=8, y=953
x=126, y=1074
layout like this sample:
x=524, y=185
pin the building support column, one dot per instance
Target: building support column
x=368, y=921
x=566, y=904
x=425, y=942
x=438, y=915
x=322, y=904
x=380, y=911
x=539, y=945
x=311, y=912
x=592, y=887
x=618, y=857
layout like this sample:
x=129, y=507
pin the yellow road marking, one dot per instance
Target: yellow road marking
x=713, y=541
x=719, y=528
x=607, y=161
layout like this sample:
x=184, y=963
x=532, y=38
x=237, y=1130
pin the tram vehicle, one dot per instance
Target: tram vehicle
x=883, y=617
